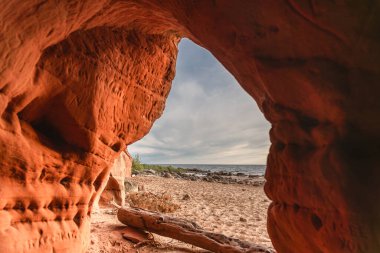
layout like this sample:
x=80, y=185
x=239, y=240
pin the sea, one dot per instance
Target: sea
x=246, y=169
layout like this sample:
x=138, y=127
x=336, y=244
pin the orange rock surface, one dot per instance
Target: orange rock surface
x=81, y=80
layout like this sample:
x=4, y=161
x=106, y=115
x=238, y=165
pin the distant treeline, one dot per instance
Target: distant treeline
x=138, y=166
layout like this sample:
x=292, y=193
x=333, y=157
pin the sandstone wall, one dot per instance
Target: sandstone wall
x=90, y=95
x=81, y=80
x=115, y=190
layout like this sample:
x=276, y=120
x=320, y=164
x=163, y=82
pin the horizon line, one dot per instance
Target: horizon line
x=202, y=164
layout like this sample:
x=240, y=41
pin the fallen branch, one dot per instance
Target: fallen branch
x=185, y=231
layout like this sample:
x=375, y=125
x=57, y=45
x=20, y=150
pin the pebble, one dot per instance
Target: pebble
x=186, y=197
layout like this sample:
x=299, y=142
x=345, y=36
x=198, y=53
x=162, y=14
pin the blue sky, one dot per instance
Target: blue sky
x=208, y=119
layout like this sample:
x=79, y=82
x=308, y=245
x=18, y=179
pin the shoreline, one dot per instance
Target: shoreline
x=234, y=209
x=224, y=177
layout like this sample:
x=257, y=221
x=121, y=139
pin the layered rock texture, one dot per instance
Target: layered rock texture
x=114, y=192
x=81, y=80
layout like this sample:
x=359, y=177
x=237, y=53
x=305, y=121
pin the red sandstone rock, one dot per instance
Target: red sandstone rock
x=136, y=235
x=91, y=94
x=115, y=190
x=81, y=80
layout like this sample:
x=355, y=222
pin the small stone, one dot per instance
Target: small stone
x=186, y=197
x=243, y=219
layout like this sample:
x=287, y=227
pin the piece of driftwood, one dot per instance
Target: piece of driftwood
x=185, y=231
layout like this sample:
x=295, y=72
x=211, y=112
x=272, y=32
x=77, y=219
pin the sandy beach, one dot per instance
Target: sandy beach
x=235, y=210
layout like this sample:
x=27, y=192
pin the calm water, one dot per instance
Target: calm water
x=246, y=169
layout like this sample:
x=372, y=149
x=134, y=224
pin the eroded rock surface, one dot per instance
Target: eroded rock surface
x=90, y=95
x=115, y=189
x=81, y=80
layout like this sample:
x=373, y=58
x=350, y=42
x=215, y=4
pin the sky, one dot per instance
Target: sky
x=208, y=117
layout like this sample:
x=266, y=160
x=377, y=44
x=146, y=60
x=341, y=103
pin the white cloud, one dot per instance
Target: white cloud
x=208, y=117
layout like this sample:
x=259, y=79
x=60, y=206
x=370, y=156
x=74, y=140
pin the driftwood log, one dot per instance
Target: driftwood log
x=185, y=231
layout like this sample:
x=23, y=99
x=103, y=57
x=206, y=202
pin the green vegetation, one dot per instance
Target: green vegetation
x=138, y=166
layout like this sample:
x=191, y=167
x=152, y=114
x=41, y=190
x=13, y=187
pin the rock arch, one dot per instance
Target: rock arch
x=81, y=80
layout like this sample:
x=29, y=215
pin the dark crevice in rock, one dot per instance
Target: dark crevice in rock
x=316, y=221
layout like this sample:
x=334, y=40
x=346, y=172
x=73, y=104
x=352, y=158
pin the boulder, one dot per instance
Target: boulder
x=167, y=175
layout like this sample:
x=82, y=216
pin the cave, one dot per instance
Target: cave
x=82, y=80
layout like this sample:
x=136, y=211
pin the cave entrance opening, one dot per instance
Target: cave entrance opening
x=210, y=123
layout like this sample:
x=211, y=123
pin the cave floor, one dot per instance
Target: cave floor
x=237, y=211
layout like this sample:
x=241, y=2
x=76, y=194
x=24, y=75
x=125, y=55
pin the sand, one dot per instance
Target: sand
x=235, y=210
